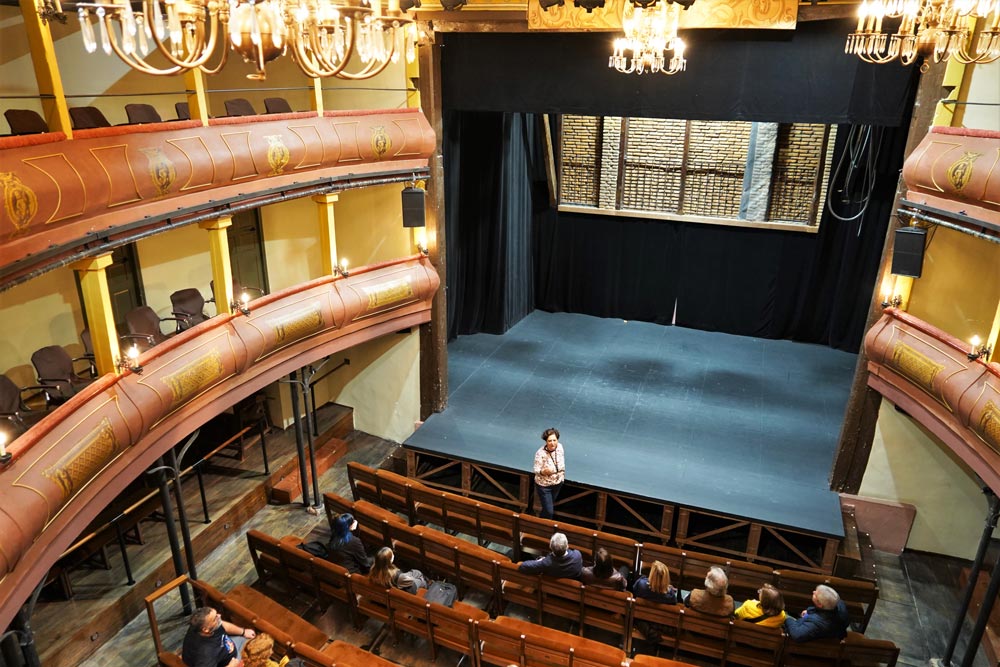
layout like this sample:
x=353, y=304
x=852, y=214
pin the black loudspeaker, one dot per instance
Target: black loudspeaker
x=413, y=207
x=908, y=251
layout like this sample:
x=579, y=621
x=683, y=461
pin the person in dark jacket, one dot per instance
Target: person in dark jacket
x=345, y=549
x=562, y=562
x=827, y=618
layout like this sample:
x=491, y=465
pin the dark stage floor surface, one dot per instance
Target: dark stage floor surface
x=737, y=425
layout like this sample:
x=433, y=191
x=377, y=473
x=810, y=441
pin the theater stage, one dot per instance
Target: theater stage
x=730, y=424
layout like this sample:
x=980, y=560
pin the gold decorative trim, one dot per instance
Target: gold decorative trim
x=348, y=139
x=19, y=201
x=161, y=169
x=244, y=145
x=989, y=425
x=194, y=377
x=179, y=144
x=742, y=14
x=316, y=139
x=918, y=367
x=381, y=141
x=153, y=381
x=81, y=463
x=278, y=154
x=931, y=171
x=83, y=199
x=118, y=157
x=270, y=324
x=70, y=432
x=960, y=171
x=390, y=292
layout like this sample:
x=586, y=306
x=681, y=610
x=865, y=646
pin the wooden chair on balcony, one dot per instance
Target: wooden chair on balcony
x=86, y=118
x=25, y=121
x=277, y=105
x=139, y=114
x=239, y=107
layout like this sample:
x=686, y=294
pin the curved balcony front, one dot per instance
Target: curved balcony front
x=927, y=373
x=67, y=200
x=81, y=456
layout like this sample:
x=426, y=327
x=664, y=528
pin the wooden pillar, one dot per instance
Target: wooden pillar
x=863, y=405
x=327, y=231
x=222, y=272
x=196, y=97
x=434, y=335
x=43, y=57
x=100, y=317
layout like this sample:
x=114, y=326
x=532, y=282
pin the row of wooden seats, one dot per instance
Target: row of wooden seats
x=249, y=608
x=685, y=631
x=521, y=532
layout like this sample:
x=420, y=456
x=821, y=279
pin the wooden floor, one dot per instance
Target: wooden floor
x=918, y=590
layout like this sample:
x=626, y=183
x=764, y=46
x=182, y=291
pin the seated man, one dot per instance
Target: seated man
x=212, y=642
x=712, y=599
x=827, y=617
x=562, y=562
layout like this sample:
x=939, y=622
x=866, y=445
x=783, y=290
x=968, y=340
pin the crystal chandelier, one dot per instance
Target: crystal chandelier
x=320, y=35
x=933, y=29
x=650, y=35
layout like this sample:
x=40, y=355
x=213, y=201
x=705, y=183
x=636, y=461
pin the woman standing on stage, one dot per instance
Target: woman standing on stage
x=550, y=471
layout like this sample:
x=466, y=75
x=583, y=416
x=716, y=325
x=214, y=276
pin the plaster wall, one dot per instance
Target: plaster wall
x=172, y=261
x=48, y=312
x=909, y=465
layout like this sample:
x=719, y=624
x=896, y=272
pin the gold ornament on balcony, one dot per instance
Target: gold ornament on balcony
x=320, y=35
x=650, y=43
x=934, y=30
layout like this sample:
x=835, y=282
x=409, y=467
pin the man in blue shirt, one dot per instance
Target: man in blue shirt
x=827, y=617
x=562, y=562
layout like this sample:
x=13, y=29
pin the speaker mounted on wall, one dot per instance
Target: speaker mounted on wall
x=908, y=251
x=413, y=207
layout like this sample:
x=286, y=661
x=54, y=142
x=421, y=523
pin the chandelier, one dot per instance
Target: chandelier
x=932, y=29
x=650, y=35
x=320, y=35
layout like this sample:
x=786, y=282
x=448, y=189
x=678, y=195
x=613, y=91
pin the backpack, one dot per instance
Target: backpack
x=441, y=592
x=315, y=548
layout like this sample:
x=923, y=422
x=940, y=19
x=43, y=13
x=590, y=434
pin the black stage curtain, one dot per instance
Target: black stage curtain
x=492, y=164
x=753, y=282
x=782, y=76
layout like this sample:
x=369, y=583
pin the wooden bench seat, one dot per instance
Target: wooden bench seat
x=274, y=613
x=544, y=646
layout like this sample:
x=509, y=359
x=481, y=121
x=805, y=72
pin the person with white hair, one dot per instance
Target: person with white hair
x=561, y=562
x=712, y=599
x=827, y=617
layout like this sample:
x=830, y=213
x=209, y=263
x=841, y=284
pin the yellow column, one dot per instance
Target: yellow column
x=327, y=231
x=43, y=57
x=317, y=96
x=197, y=99
x=222, y=272
x=100, y=318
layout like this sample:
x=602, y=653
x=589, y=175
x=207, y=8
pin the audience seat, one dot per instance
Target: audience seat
x=25, y=121
x=188, y=306
x=14, y=408
x=54, y=367
x=85, y=118
x=139, y=114
x=183, y=110
x=277, y=105
x=144, y=327
x=239, y=107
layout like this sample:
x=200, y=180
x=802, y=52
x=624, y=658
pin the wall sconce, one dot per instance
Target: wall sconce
x=978, y=351
x=243, y=305
x=5, y=456
x=342, y=267
x=423, y=249
x=896, y=301
x=129, y=362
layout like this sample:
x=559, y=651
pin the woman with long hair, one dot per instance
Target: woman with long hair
x=656, y=587
x=603, y=573
x=345, y=548
x=385, y=573
x=257, y=652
